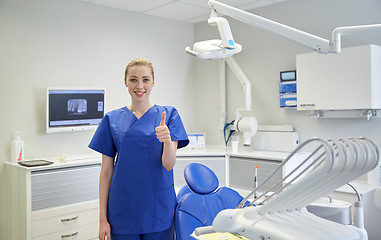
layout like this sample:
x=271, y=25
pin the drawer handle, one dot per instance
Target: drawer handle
x=307, y=105
x=69, y=235
x=69, y=219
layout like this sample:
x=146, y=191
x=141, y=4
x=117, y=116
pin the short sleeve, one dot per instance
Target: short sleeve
x=177, y=129
x=102, y=140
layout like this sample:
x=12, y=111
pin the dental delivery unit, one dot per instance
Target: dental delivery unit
x=282, y=214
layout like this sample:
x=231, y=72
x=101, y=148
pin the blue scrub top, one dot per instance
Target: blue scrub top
x=142, y=198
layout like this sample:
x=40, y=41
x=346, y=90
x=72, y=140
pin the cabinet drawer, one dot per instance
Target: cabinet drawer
x=86, y=232
x=64, y=222
x=63, y=186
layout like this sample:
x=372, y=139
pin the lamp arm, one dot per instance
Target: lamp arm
x=351, y=30
x=224, y=30
x=316, y=43
x=245, y=83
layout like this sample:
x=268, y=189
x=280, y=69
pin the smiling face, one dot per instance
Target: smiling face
x=139, y=81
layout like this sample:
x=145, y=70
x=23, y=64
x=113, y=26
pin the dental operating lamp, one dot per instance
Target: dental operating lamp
x=225, y=48
x=216, y=49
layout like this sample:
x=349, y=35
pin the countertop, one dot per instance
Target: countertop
x=246, y=152
x=70, y=162
x=222, y=151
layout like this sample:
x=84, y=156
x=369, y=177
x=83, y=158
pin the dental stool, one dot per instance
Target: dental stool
x=200, y=200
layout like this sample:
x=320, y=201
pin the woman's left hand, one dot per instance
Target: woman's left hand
x=162, y=131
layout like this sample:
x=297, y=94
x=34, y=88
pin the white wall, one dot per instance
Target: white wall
x=264, y=55
x=69, y=43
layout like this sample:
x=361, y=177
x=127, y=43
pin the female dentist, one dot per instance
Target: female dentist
x=136, y=191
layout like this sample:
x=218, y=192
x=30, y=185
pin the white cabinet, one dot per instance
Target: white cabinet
x=350, y=80
x=59, y=201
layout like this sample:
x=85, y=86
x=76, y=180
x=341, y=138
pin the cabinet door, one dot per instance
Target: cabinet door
x=242, y=171
x=342, y=81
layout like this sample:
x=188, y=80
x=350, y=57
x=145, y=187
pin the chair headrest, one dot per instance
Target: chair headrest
x=200, y=178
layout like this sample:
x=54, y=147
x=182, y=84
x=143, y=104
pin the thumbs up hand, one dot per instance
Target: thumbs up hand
x=162, y=131
x=163, y=116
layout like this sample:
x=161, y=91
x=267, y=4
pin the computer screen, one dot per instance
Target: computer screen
x=74, y=109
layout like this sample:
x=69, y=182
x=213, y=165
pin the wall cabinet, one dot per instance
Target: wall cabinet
x=350, y=80
x=59, y=201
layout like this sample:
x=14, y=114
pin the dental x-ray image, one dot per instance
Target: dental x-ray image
x=77, y=106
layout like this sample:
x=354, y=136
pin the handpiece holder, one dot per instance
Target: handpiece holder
x=358, y=215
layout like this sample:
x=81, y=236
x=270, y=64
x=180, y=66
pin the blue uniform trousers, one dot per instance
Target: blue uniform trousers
x=163, y=235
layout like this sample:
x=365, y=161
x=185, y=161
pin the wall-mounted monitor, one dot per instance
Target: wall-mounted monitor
x=288, y=76
x=73, y=109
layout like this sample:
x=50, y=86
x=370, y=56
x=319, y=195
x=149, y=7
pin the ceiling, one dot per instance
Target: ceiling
x=191, y=11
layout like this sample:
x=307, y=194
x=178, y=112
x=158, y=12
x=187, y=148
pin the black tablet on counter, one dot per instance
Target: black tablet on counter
x=35, y=163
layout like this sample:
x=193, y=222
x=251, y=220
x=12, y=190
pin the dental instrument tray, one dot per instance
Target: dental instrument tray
x=35, y=163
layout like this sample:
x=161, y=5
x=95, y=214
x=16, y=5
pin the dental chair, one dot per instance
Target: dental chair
x=201, y=200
